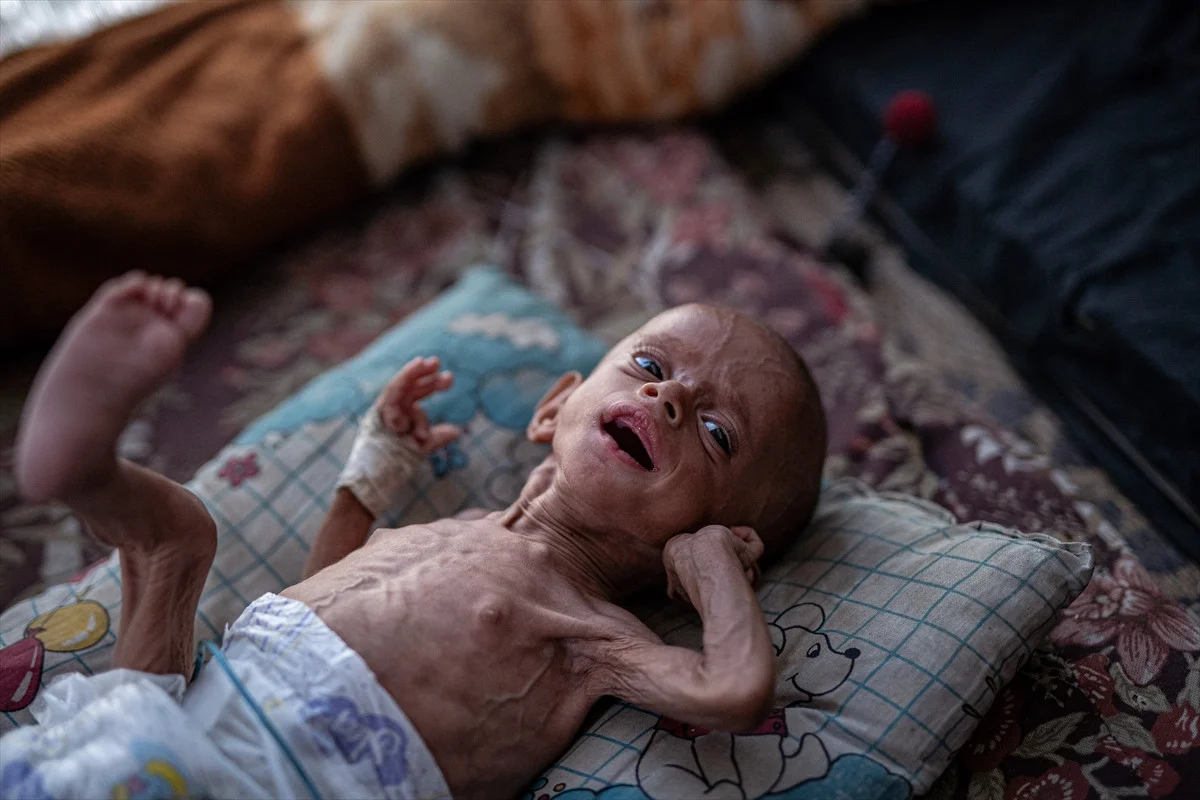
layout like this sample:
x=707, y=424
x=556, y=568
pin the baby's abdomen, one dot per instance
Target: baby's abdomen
x=496, y=719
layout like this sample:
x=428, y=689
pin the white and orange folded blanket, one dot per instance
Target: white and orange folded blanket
x=188, y=136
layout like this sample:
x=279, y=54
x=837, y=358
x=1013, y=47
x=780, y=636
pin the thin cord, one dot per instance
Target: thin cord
x=219, y=657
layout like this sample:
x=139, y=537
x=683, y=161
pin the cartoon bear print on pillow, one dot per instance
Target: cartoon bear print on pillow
x=812, y=666
x=684, y=761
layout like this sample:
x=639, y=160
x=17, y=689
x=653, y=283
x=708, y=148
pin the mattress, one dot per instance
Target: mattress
x=1061, y=203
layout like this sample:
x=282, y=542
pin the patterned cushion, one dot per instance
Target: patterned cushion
x=894, y=627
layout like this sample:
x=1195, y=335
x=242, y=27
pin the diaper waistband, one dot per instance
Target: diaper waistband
x=338, y=728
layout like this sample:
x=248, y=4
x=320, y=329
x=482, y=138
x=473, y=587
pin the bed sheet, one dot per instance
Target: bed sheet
x=615, y=227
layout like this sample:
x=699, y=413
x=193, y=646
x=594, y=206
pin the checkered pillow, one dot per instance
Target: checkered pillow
x=893, y=626
x=894, y=629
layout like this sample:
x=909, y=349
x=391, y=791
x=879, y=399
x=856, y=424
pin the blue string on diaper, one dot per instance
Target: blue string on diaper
x=219, y=657
x=198, y=664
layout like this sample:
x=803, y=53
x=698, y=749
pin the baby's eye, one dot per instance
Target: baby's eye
x=719, y=434
x=650, y=365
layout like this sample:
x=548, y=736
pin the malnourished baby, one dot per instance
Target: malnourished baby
x=454, y=658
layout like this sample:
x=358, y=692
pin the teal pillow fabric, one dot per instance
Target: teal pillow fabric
x=504, y=345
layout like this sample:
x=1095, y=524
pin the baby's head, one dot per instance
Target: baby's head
x=703, y=416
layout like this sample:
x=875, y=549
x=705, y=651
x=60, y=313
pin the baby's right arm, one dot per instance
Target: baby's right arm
x=728, y=686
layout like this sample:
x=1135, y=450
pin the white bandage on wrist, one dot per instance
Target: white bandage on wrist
x=379, y=465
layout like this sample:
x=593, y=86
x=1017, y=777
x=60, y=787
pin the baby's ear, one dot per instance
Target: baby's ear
x=545, y=416
x=809, y=616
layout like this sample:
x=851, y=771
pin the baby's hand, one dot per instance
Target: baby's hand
x=402, y=415
x=694, y=551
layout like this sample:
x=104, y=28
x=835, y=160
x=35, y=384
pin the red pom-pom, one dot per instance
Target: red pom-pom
x=910, y=119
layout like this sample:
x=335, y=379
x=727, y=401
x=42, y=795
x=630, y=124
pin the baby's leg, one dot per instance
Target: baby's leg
x=115, y=352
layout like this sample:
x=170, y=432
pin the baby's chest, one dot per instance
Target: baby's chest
x=434, y=614
x=477, y=650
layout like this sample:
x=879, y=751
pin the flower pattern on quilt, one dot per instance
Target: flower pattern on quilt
x=1124, y=605
x=1092, y=674
x=1000, y=732
x=239, y=469
x=1065, y=782
x=1177, y=730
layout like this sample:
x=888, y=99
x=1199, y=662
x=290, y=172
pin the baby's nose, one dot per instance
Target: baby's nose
x=852, y=653
x=669, y=394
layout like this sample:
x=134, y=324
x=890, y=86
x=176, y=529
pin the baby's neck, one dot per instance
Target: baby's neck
x=607, y=563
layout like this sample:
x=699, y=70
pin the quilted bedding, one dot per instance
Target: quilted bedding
x=192, y=135
x=614, y=228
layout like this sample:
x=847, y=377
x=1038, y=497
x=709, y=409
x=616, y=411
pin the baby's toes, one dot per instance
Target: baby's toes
x=170, y=296
x=195, y=309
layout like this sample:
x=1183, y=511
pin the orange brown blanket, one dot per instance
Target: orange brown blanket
x=188, y=139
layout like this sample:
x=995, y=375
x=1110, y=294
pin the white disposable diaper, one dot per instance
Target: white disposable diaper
x=284, y=709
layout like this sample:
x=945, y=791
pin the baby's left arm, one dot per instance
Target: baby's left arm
x=730, y=685
x=393, y=439
x=395, y=436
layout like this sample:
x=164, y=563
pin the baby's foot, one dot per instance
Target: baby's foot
x=114, y=353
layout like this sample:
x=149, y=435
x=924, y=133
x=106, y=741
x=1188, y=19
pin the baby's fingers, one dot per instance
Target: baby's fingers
x=747, y=544
x=396, y=417
x=439, y=436
x=675, y=590
x=428, y=384
x=413, y=371
x=420, y=426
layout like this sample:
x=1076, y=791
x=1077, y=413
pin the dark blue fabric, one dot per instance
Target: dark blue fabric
x=1062, y=197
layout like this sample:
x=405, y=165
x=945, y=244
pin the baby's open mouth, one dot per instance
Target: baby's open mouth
x=628, y=440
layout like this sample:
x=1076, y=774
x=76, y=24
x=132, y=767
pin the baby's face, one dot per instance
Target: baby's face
x=683, y=424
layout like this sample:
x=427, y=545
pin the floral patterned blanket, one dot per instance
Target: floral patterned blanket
x=614, y=228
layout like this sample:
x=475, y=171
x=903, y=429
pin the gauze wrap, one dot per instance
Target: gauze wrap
x=380, y=463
